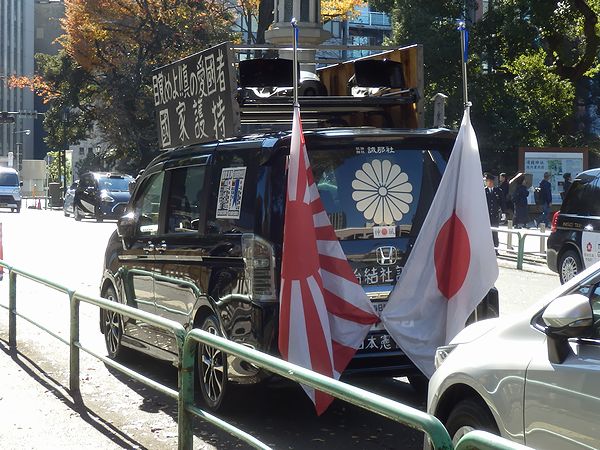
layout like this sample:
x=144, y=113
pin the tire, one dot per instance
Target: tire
x=18, y=210
x=113, y=326
x=569, y=265
x=12, y=210
x=212, y=369
x=76, y=214
x=468, y=415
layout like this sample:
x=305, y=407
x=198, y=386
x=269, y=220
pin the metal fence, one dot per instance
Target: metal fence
x=187, y=343
x=521, y=235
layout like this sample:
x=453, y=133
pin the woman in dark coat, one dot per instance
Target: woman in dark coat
x=520, y=201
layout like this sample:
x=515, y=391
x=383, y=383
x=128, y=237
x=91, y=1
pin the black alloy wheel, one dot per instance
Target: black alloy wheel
x=569, y=265
x=468, y=415
x=212, y=368
x=114, y=325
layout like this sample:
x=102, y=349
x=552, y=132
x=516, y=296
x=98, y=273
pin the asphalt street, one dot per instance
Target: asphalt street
x=116, y=412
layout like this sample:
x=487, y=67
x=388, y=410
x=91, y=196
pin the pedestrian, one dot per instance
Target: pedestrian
x=493, y=195
x=546, y=197
x=507, y=206
x=566, y=185
x=520, y=201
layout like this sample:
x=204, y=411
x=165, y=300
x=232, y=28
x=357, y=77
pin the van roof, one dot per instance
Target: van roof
x=8, y=169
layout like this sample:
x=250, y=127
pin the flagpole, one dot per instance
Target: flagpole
x=295, y=78
x=464, y=40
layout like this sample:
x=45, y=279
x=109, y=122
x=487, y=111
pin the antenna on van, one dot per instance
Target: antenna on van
x=295, y=28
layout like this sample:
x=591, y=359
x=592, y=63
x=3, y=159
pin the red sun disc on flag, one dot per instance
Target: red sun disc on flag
x=452, y=255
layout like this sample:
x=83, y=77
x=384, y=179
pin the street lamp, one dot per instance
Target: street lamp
x=18, y=145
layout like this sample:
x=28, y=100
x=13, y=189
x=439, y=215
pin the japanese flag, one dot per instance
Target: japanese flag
x=452, y=265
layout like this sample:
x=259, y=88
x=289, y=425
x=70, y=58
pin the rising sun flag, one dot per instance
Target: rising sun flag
x=325, y=314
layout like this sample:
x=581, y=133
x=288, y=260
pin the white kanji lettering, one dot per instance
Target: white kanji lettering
x=199, y=120
x=371, y=343
x=183, y=135
x=385, y=275
x=165, y=127
x=220, y=71
x=371, y=275
x=211, y=75
x=385, y=342
x=218, y=110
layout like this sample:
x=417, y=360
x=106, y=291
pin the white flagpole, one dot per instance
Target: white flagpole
x=463, y=46
x=295, y=28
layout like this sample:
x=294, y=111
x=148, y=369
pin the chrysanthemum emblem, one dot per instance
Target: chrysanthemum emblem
x=382, y=192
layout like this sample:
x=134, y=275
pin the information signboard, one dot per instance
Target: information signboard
x=194, y=98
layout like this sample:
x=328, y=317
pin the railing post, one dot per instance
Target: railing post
x=12, y=309
x=509, y=225
x=186, y=393
x=521, y=251
x=543, y=238
x=73, y=345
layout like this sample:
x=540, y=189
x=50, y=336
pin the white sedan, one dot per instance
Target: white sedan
x=533, y=378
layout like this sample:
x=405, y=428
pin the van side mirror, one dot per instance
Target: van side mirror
x=126, y=229
x=566, y=317
x=20, y=184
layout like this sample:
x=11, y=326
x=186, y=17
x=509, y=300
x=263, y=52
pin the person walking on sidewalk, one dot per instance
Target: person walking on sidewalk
x=546, y=196
x=520, y=200
x=493, y=195
x=507, y=206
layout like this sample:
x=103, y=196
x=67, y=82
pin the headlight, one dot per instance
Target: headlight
x=442, y=353
x=105, y=197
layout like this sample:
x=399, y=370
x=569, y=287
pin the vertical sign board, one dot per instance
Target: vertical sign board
x=194, y=98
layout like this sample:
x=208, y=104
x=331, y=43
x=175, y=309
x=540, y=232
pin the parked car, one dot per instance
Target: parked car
x=211, y=218
x=574, y=242
x=69, y=196
x=532, y=378
x=101, y=195
x=10, y=189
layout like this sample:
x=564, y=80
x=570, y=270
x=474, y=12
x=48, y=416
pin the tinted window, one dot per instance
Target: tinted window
x=360, y=189
x=147, y=205
x=582, y=198
x=595, y=198
x=186, y=199
x=114, y=183
x=9, y=179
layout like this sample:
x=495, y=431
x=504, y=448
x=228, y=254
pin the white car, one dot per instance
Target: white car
x=533, y=378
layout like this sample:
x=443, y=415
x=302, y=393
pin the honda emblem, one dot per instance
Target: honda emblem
x=387, y=255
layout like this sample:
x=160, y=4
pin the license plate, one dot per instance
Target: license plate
x=377, y=342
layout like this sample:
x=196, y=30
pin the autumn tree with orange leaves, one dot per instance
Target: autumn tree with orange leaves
x=103, y=75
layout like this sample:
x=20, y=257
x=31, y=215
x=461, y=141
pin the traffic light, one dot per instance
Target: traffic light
x=6, y=118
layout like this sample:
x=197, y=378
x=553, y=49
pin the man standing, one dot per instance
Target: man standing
x=546, y=196
x=566, y=185
x=493, y=196
x=507, y=205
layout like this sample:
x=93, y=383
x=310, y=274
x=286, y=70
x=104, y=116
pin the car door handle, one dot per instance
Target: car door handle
x=149, y=248
x=162, y=247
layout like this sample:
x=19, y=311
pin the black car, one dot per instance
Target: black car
x=210, y=217
x=574, y=241
x=101, y=195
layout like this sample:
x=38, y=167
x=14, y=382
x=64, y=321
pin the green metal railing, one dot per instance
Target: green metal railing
x=188, y=344
x=521, y=236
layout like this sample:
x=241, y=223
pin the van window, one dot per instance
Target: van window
x=147, y=205
x=186, y=199
x=9, y=179
x=114, y=184
x=365, y=187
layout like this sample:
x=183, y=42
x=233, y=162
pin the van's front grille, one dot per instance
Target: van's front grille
x=7, y=199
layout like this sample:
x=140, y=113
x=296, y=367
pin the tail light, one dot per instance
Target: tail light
x=259, y=260
x=554, y=221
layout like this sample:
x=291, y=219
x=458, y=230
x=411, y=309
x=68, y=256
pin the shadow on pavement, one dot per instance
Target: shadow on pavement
x=74, y=402
x=279, y=413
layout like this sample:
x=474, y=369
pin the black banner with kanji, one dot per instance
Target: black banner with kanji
x=194, y=98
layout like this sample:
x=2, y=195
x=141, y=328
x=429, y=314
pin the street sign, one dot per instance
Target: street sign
x=194, y=98
x=6, y=118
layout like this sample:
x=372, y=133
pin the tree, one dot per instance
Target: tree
x=103, y=76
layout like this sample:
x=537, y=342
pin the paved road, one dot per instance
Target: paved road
x=120, y=413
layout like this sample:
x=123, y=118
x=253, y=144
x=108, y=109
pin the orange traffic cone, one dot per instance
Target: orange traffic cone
x=1, y=254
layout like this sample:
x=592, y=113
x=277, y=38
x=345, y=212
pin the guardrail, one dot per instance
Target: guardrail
x=522, y=235
x=187, y=344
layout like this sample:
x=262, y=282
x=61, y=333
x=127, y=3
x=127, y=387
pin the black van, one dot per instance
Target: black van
x=101, y=195
x=574, y=241
x=210, y=217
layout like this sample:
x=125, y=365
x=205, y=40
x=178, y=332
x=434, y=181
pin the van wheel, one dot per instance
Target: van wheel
x=569, y=265
x=113, y=326
x=468, y=415
x=212, y=368
x=12, y=209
